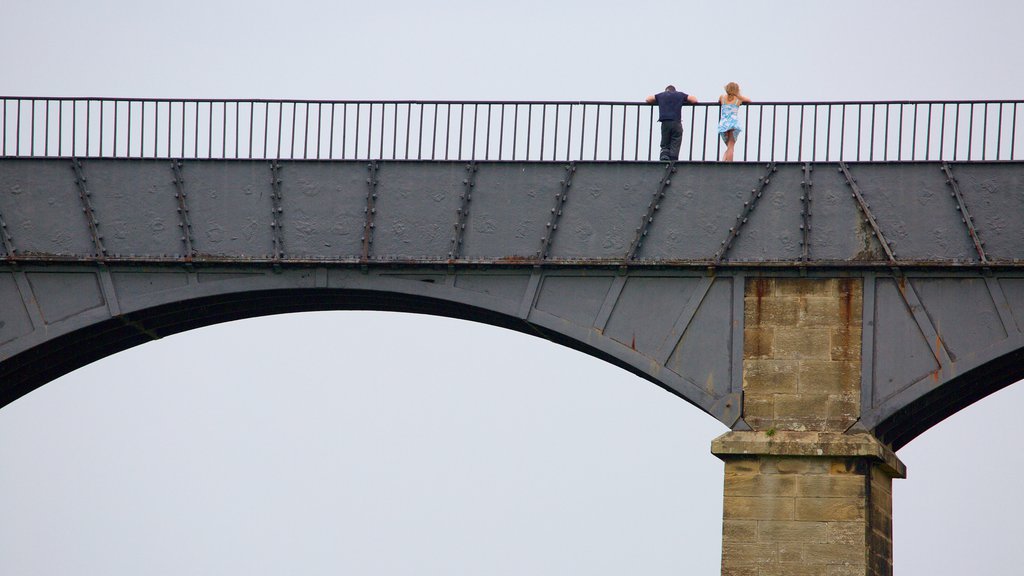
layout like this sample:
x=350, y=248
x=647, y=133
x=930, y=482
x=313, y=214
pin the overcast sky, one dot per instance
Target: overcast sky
x=385, y=444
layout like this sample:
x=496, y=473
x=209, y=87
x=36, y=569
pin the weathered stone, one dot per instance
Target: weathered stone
x=770, y=376
x=760, y=485
x=749, y=553
x=806, y=286
x=830, y=509
x=757, y=508
x=851, y=533
x=845, y=343
x=803, y=343
x=791, y=531
x=771, y=311
x=759, y=411
x=830, y=486
x=739, y=531
x=791, y=569
x=801, y=407
x=740, y=570
x=758, y=342
x=829, y=376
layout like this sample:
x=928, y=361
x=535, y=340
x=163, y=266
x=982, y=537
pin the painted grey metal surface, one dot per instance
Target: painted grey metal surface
x=641, y=264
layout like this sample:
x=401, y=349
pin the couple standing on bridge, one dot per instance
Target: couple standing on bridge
x=670, y=114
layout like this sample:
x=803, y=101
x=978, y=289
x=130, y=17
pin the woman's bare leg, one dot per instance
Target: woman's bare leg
x=730, y=143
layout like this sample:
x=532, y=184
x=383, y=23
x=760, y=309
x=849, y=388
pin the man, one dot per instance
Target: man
x=670, y=114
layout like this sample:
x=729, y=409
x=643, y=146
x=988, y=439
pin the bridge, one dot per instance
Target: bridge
x=856, y=278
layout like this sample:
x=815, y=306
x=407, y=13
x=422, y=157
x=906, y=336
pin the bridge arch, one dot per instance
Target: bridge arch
x=208, y=297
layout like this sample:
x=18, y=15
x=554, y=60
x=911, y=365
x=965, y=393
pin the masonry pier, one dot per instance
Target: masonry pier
x=806, y=491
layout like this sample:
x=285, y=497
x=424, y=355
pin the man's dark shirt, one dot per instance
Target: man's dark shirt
x=670, y=105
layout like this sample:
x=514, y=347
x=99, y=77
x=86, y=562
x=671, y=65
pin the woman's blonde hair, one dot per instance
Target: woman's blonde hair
x=732, y=89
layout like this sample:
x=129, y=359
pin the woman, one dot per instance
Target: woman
x=729, y=124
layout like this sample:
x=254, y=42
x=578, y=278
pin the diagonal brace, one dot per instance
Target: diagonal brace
x=90, y=215
x=748, y=208
x=965, y=216
x=184, y=219
x=556, y=212
x=462, y=214
x=653, y=207
x=865, y=209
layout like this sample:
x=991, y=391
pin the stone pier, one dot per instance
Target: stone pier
x=806, y=493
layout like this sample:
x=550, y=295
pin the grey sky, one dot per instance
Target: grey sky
x=386, y=444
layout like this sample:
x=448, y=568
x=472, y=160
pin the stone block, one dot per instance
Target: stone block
x=739, y=531
x=844, y=570
x=743, y=465
x=759, y=410
x=845, y=343
x=753, y=508
x=831, y=553
x=770, y=376
x=749, y=553
x=740, y=571
x=801, y=407
x=791, y=569
x=783, y=465
x=821, y=311
x=806, y=286
x=761, y=485
x=847, y=486
x=845, y=410
x=791, y=531
x=758, y=342
x=850, y=533
x=829, y=509
x=829, y=377
x=803, y=343
x=771, y=311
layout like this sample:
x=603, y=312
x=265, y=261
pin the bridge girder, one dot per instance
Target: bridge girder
x=642, y=264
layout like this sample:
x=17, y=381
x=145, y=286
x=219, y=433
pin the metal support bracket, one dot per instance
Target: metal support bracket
x=965, y=216
x=748, y=208
x=654, y=206
x=277, y=210
x=184, y=220
x=865, y=209
x=370, y=210
x=462, y=214
x=805, y=213
x=556, y=212
x=90, y=216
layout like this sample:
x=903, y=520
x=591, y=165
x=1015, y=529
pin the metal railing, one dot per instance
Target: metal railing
x=962, y=131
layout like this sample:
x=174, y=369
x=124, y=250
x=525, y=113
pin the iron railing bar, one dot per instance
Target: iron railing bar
x=956, y=130
x=984, y=131
x=885, y=142
x=408, y=130
x=543, y=128
x=970, y=131
x=999, y=132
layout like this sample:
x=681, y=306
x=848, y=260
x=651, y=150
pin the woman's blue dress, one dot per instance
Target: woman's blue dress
x=729, y=120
